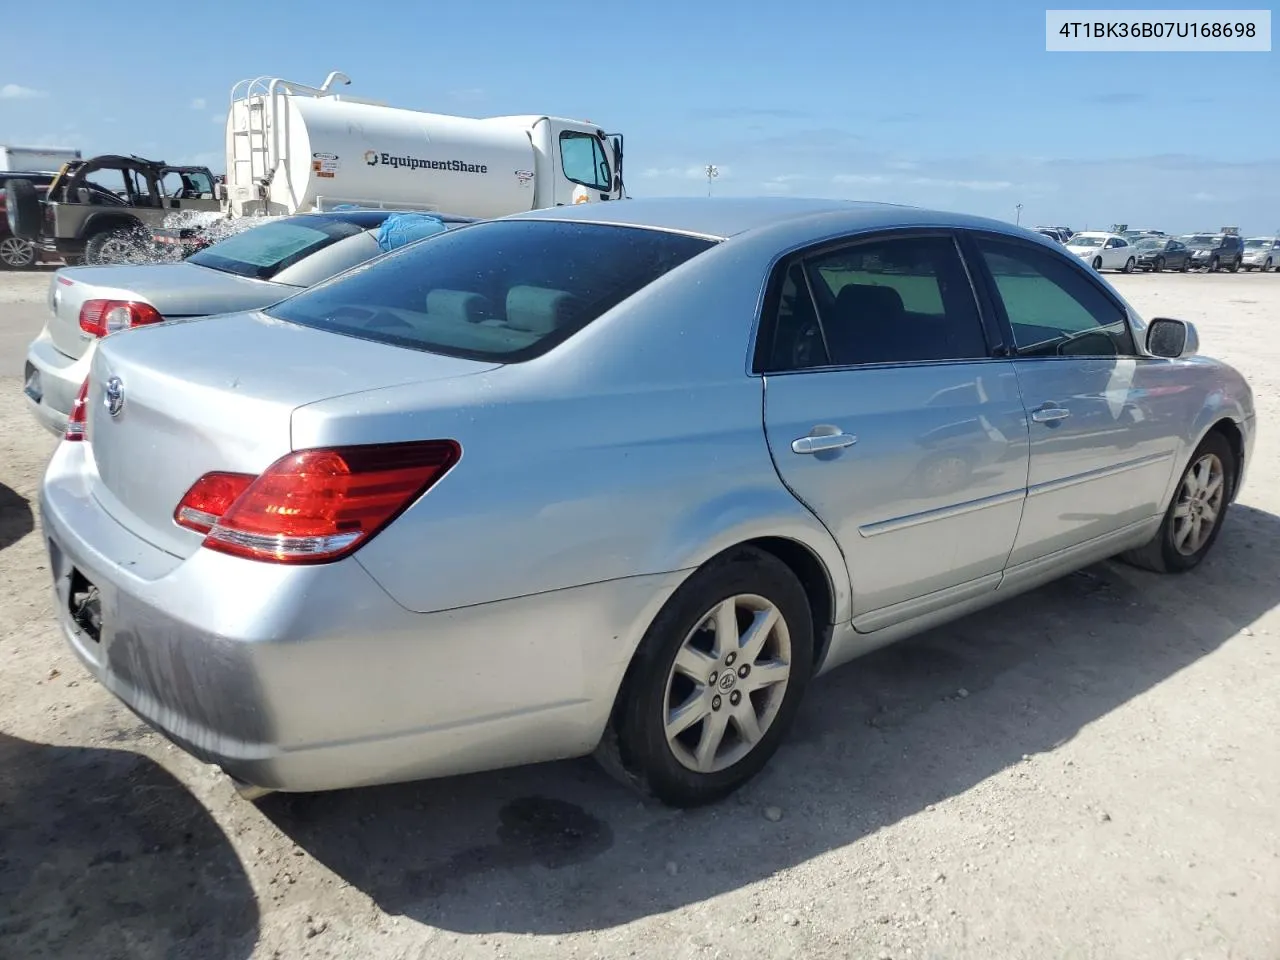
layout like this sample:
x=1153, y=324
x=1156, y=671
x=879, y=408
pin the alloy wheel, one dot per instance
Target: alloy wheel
x=1199, y=504
x=16, y=253
x=727, y=683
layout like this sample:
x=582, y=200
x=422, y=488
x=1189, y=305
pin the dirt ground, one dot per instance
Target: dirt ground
x=1091, y=770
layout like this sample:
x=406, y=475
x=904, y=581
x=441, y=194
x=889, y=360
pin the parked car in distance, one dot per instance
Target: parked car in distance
x=1103, y=251
x=1052, y=234
x=250, y=269
x=1215, y=250
x=1262, y=253
x=512, y=494
x=15, y=252
x=1155, y=254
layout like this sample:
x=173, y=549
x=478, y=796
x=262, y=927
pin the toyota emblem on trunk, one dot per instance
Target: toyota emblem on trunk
x=113, y=396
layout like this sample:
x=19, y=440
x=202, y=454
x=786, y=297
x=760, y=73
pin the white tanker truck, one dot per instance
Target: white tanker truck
x=292, y=148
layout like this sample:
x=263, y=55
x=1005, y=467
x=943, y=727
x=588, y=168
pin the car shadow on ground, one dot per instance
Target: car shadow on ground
x=106, y=855
x=16, y=518
x=560, y=848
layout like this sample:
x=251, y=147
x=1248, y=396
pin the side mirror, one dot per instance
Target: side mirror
x=1172, y=339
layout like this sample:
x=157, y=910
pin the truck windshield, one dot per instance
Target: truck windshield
x=505, y=290
x=263, y=251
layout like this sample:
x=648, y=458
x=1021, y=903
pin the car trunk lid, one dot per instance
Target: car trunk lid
x=174, y=289
x=218, y=393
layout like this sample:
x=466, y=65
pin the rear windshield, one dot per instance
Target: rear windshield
x=505, y=290
x=263, y=251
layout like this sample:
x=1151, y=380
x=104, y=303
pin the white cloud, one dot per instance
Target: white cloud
x=13, y=91
x=861, y=178
x=199, y=103
x=698, y=172
x=980, y=185
x=881, y=178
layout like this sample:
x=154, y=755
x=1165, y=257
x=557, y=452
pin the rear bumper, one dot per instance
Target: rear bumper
x=51, y=381
x=313, y=678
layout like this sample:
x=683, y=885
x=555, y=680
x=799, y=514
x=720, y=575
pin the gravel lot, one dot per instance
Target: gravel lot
x=1091, y=770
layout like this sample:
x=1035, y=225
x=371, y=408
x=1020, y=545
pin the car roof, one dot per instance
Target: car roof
x=724, y=217
x=372, y=218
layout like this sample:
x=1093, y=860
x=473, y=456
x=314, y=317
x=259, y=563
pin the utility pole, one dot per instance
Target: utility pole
x=1019, y=223
x=712, y=172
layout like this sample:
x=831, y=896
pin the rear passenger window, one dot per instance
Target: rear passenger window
x=500, y=290
x=1053, y=310
x=898, y=300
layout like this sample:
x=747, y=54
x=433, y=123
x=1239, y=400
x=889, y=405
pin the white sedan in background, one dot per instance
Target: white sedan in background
x=1104, y=251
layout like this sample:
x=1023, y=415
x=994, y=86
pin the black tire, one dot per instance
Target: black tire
x=1097, y=263
x=1160, y=554
x=1235, y=267
x=1158, y=266
x=1214, y=265
x=1266, y=267
x=1186, y=265
x=16, y=253
x=101, y=248
x=635, y=748
x=22, y=208
x=1128, y=265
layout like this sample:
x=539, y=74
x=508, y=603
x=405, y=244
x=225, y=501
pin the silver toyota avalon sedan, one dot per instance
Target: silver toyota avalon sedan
x=614, y=478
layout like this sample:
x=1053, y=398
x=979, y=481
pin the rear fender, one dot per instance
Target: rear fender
x=748, y=514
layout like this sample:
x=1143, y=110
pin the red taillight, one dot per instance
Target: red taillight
x=209, y=498
x=101, y=317
x=79, y=410
x=314, y=505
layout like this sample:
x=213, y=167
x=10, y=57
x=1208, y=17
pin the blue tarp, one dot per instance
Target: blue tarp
x=401, y=228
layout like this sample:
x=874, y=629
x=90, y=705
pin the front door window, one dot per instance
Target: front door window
x=583, y=161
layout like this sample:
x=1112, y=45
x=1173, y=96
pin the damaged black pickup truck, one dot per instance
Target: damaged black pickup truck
x=105, y=209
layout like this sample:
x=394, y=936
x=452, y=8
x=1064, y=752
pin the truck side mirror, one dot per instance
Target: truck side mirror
x=1172, y=339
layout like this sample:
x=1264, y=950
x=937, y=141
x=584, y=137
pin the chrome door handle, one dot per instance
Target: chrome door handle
x=1049, y=414
x=829, y=441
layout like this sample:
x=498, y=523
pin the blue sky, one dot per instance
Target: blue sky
x=941, y=104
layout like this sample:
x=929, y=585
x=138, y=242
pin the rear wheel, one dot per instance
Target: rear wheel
x=22, y=209
x=715, y=682
x=1194, y=518
x=16, y=253
x=1266, y=267
x=1235, y=266
x=1213, y=265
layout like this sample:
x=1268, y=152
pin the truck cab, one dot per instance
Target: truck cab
x=579, y=160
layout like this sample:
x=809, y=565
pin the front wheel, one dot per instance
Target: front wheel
x=1159, y=265
x=1266, y=267
x=1235, y=266
x=1097, y=263
x=1194, y=518
x=1186, y=265
x=1128, y=265
x=715, y=682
